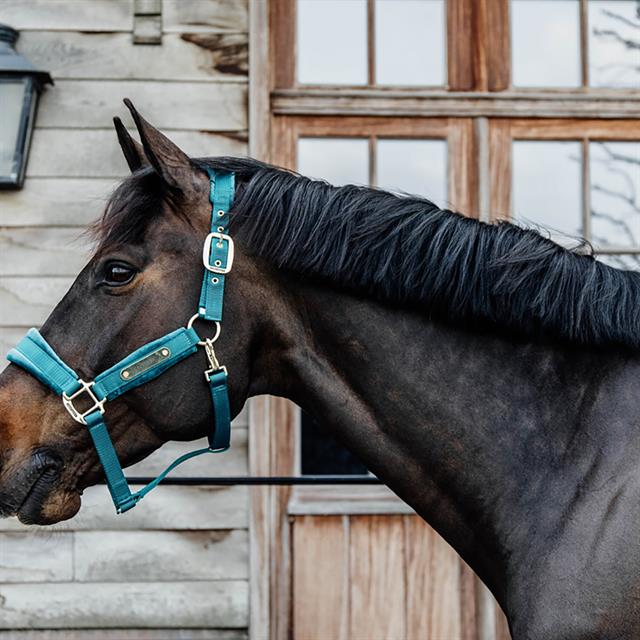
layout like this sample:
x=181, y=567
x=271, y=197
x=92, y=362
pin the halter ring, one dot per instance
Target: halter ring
x=203, y=343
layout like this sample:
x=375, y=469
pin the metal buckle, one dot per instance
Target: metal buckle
x=79, y=416
x=213, y=361
x=206, y=252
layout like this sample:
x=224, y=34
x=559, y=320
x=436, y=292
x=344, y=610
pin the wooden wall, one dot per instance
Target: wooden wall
x=177, y=565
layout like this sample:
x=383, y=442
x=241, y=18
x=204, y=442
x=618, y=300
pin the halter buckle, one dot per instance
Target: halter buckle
x=79, y=416
x=206, y=252
x=214, y=365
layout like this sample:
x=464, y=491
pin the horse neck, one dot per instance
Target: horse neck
x=487, y=439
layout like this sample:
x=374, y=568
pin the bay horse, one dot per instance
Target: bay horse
x=488, y=376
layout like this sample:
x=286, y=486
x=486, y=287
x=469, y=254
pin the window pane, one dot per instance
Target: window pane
x=322, y=454
x=547, y=191
x=11, y=103
x=626, y=261
x=332, y=41
x=615, y=201
x=336, y=160
x=545, y=43
x=410, y=42
x=417, y=167
x=614, y=43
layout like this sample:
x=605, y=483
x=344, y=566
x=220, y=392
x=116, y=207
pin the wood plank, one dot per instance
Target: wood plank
x=221, y=603
x=56, y=202
x=113, y=56
x=260, y=440
x=468, y=609
x=33, y=252
x=95, y=153
x=198, y=106
x=433, y=586
x=499, y=170
x=125, y=634
x=41, y=556
x=168, y=507
x=377, y=590
x=320, y=578
x=461, y=65
x=28, y=301
x=335, y=500
x=463, y=167
x=498, y=44
x=230, y=463
x=168, y=556
x=282, y=27
x=527, y=129
x=204, y=15
x=8, y=338
x=502, y=625
x=455, y=104
x=67, y=15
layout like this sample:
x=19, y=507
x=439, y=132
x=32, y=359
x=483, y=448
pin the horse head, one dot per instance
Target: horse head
x=142, y=282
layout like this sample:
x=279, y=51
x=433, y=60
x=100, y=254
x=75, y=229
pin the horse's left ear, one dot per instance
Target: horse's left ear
x=169, y=161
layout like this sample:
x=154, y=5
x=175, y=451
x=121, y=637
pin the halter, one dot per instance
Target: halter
x=36, y=356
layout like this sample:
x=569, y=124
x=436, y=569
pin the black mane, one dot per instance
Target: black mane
x=407, y=251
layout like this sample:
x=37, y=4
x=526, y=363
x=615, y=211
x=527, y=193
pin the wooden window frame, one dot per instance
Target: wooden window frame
x=502, y=133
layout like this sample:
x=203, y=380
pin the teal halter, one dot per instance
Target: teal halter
x=36, y=356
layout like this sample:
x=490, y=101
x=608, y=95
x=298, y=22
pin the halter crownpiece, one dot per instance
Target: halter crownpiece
x=36, y=356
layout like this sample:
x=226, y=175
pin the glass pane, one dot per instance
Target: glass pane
x=410, y=42
x=545, y=43
x=547, y=185
x=332, y=41
x=336, y=160
x=615, y=201
x=614, y=43
x=322, y=454
x=11, y=102
x=417, y=167
x=626, y=261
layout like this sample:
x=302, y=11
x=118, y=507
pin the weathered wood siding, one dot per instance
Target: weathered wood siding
x=177, y=566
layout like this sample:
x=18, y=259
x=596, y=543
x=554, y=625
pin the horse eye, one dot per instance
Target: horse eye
x=117, y=274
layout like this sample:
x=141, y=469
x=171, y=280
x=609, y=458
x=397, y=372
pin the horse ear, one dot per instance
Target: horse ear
x=169, y=161
x=132, y=149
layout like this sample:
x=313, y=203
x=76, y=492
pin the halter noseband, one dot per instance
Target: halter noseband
x=36, y=356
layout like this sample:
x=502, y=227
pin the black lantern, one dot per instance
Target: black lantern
x=20, y=87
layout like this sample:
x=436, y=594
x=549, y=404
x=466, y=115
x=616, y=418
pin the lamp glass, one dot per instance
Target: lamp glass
x=16, y=109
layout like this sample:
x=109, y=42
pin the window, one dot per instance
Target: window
x=575, y=43
x=355, y=42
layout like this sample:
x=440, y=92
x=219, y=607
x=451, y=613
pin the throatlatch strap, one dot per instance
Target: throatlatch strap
x=212, y=292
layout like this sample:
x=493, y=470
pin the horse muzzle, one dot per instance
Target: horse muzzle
x=26, y=491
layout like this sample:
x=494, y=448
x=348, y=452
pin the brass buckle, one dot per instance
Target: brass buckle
x=206, y=252
x=79, y=416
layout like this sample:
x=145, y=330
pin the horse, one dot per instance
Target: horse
x=487, y=375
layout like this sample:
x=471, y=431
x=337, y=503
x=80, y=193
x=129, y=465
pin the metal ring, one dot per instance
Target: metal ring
x=203, y=342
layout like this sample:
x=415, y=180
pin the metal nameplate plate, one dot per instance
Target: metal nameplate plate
x=144, y=364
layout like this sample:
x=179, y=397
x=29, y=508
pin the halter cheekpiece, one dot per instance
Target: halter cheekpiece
x=36, y=356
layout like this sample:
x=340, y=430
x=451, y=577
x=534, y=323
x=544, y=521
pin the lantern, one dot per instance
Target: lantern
x=20, y=87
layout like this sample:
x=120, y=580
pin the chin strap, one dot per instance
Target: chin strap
x=34, y=354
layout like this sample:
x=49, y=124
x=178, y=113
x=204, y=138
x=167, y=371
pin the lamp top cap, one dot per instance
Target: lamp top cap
x=8, y=34
x=13, y=63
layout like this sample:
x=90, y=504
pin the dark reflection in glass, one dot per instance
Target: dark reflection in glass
x=321, y=454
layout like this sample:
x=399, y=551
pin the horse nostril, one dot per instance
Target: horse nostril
x=46, y=461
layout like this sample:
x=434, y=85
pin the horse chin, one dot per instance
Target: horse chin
x=45, y=505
